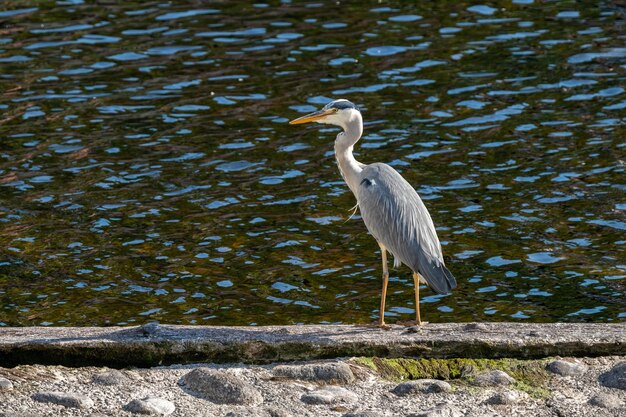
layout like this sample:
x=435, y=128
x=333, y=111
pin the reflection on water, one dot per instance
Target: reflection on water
x=147, y=171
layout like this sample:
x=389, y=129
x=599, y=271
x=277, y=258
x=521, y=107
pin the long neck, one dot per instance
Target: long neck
x=344, y=144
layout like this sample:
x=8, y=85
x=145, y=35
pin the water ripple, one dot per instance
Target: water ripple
x=148, y=164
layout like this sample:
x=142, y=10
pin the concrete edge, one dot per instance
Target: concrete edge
x=152, y=344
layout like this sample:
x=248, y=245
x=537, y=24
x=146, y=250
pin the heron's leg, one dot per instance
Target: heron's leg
x=416, y=280
x=383, y=253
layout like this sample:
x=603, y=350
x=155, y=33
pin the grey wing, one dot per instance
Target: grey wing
x=396, y=216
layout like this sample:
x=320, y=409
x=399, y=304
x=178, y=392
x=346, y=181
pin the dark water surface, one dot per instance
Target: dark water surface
x=147, y=171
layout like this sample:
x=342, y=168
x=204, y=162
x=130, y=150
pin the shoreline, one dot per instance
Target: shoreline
x=452, y=369
x=155, y=344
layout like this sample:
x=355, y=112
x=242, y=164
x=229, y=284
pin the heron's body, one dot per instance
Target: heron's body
x=392, y=210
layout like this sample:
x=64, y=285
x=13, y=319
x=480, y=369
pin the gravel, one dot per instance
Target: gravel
x=64, y=389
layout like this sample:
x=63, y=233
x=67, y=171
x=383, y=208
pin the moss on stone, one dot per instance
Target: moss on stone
x=530, y=375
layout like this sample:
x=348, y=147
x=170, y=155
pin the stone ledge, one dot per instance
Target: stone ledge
x=150, y=345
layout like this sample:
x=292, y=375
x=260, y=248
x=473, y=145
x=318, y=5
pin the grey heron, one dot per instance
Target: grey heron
x=392, y=210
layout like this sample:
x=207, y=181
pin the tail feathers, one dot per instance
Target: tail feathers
x=437, y=276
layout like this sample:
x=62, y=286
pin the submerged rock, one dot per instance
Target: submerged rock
x=221, y=387
x=567, y=368
x=66, y=399
x=150, y=405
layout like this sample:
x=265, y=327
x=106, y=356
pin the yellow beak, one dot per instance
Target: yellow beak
x=311, y=117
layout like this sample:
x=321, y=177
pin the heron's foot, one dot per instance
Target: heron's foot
x=378, y=324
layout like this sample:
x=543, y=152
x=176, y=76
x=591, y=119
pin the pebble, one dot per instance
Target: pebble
x=476, y=327
x=150, y=329
x=252, y=412
x=493, y=378
x=5, y=384
x=332, y=373
x=221, y=387
x=12, y=414
x=442, y=410
x=605, y=400
x=567, y=368
x=150, y=405
x=66, y=399
x=421, y=386
x=504, y=398
x=329, y=395
x=110, y=378
x=615, y=377
x=367, y=413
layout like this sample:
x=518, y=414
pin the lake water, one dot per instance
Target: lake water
x=147, y=170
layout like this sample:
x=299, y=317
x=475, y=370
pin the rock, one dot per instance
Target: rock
x=150, y=405
x=255, y=412
x=5, y=384
x=615, y=377
x=111, y=377
x=493, y=378
x=150, y=329
x=332, y=373
x=278, y=412
x=504, y=398
x=368, y=413
x=66, y=399
x=329, y=395
x=12, y=414
x=476, y=327
x=421, y=386
x=221, y=387
x=567, y=368
x=442, y=410
x=605, y=400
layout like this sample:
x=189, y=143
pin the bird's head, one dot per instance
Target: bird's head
x=338, y=112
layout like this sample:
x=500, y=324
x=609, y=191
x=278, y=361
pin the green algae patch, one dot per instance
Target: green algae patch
x=530, y=375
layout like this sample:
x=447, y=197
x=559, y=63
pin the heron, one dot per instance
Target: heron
x=391, y=209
